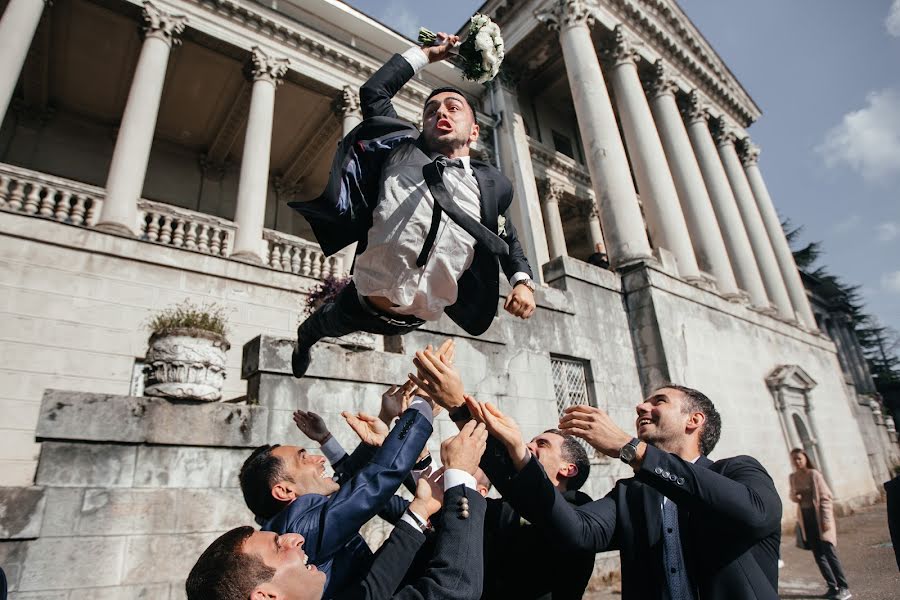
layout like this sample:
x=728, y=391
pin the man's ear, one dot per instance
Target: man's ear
x=695, y=422
x=265, y=591
x=283, y=492
x=473, y=137
x=569, y=470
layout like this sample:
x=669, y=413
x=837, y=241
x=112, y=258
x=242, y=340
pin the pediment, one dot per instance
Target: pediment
x=791, y=377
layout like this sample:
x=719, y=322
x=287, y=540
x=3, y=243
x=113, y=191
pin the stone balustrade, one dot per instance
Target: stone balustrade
x=173, y=226
x=74, y=203
x=548, y=159
x=298, y=256
x=38, y=194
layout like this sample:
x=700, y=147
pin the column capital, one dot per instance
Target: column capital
x=565, y=14
x=265, y=67
x=162, y=25
x=550, y=190
x=660, y=83
x=622, y=49
x=346, y=102
x=723, y=133
x=585, y=207
x=695, y=109
x=749, y=152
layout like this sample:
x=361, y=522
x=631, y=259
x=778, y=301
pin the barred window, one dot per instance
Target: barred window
x=570, y=386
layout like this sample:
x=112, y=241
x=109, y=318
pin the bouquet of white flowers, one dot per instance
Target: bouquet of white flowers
x=480, y=53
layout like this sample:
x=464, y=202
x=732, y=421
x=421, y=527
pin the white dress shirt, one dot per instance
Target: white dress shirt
x=400, y=224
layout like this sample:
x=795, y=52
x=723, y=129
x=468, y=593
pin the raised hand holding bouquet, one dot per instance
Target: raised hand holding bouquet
x=480, y=53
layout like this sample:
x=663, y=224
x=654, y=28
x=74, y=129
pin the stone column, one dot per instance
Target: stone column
x=17, y=27
x=789, y=272
x=132, y=152
x=759, y=240
x=739, y=250
x=267, y=72
x=551, y=194
x=623, y=226
x=512, y=147
x=347, y=108
x=654, y=180
x=595, y=232
x=701, y=220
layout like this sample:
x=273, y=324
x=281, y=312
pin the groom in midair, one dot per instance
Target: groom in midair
x=431, y=223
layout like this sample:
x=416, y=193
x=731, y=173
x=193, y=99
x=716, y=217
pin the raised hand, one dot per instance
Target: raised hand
x=429, y=494
x=396, y=400
x=595, y=427
x=442, y=51
x=502, y=427
x=463, y=451
x=438, y=379
x=370, y=430
x=312, y=425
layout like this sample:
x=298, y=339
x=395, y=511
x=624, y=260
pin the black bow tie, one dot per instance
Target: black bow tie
x=445, y=162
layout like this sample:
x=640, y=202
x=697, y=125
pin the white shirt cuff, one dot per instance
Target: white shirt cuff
x=408, y=519
x=423, y=407
x=517, y=277
x=454, y=477
x=416, y=58
x=333, y=450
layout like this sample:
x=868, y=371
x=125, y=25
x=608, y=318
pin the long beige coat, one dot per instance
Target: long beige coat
x=823, y=504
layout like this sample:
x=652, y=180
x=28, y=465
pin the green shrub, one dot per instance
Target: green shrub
x=187, y=315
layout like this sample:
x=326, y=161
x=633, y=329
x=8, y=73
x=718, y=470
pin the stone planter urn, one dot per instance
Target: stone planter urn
x=187, y=364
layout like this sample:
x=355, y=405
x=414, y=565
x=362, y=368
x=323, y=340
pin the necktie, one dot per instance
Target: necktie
x=443, y=201
x=673, y=562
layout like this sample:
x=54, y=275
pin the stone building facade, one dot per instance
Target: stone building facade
x=147, y=152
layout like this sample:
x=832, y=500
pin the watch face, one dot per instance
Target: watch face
x=627, y=453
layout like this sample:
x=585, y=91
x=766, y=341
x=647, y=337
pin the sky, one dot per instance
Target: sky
x=826, y=75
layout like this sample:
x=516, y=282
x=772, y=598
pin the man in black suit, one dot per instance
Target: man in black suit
x=430, y=223
x=244, y=564
x=686, y=527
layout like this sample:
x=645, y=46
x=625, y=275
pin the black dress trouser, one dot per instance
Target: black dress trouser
x=826, y=557
x=347, y=314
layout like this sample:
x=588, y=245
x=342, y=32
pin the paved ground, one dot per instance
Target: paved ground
x=864, y=549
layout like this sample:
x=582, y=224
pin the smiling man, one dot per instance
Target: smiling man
x=288, y=490
x=686, y=527
x=430, y=223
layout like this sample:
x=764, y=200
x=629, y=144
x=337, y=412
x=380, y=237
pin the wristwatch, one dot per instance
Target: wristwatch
x=460, y=414
x=528, y=283
x=629, y=451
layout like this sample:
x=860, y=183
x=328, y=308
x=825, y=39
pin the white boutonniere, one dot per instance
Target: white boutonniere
x=501, y=225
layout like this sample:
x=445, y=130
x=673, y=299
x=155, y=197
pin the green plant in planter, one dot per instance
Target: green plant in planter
x=187, y=315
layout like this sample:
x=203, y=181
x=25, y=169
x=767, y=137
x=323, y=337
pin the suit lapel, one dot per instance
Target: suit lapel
x=488, y=196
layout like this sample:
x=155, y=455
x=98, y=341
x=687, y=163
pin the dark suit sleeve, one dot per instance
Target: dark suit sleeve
x=394, y=509
x=389, y=565
x=589, y=527
x=363, y=496
x=456, y=570
x=515, y=261
x=375, y=94
x=743, y=493
x=351, y=464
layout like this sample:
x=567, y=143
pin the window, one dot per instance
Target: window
x=570, y=388
x=563, y=144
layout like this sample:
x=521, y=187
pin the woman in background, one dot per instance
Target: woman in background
x=816, y=520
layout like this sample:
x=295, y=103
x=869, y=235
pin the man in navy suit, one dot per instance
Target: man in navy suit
x=430, y=223
x=244, y=564
x=287, y=490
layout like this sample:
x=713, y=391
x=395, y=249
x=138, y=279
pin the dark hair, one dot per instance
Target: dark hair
x=259, y=473
x=698, y=402
x=809, y=463
x=225, y=572
x=449, y=88
x=574, y=452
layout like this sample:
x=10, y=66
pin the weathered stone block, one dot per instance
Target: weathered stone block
x=86, y=465
x=186, y=467
x=116, y=512
x=212, y=510
x=123, y=592
x=12, y=559
x=105, y=417
x=62, y=512
x=21, y=512
x=76, y=562
x=163, y=558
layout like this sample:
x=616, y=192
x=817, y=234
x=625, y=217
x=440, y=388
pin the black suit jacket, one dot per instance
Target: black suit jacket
x=520, y=560
x=343, y=213
x=729, y=519
x=456, y=569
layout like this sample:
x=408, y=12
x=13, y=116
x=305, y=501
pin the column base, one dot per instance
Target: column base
x=769, y=311
x=739, y=297
x=116, y=228
x=247, y=257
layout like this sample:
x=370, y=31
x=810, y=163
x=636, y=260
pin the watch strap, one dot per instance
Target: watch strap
x=460, y=414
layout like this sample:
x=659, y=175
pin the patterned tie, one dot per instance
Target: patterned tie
x=674, y=563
